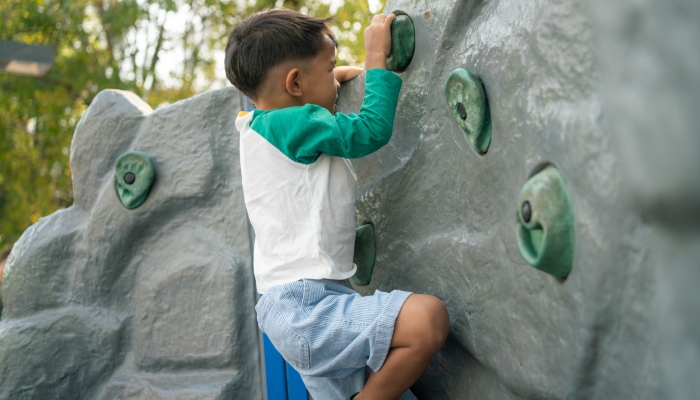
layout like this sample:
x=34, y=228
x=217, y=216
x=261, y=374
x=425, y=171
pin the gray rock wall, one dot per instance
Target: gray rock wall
x=607, y=93
x=151, y=303
x=157, y=302
x=651, y=90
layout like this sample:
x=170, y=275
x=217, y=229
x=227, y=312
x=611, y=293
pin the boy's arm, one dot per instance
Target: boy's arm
x=378, y=41
x=364, y=133
x=377, y=48
x=344, y=74
x=303, y=133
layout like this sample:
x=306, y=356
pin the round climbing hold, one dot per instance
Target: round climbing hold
x=403, y=42
x=365, y=253
x=462, y=111
x=546, y=237
x=466, y=98
x=133, y=178
x=526, y=212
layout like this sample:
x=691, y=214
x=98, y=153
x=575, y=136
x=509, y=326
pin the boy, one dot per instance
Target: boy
x=299, y=191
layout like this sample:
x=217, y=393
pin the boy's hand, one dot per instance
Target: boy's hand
x=378, y=41
x=344, y=74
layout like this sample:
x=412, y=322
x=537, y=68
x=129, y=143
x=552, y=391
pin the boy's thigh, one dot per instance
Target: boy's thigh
x=293, y=346
x=322, y=388
x=326, y=330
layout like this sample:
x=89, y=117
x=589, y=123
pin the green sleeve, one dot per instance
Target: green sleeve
x=303, y=133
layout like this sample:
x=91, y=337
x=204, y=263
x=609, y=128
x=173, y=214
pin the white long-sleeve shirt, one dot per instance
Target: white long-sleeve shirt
x=298, y=187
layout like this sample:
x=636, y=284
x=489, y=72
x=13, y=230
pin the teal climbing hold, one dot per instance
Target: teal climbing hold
x=365, y=253
x=133, y=178
x=545, y=219
x=403, y=42
x=466, y=98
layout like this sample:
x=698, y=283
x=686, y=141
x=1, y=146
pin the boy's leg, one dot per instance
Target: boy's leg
x=336, y=388
x=420, y=331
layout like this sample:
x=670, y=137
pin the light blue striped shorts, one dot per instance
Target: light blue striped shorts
x=330, y=334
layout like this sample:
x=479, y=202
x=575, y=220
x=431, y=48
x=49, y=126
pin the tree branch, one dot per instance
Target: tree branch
x=108, y=36
x=154, y=60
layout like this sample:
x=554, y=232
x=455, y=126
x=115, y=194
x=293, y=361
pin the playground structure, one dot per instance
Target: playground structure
x=565, y=246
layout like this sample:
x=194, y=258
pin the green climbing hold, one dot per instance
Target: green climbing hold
x=403, y=42
x=545, y=219
x=133, y=178
x=365, y=252
x=467, y=99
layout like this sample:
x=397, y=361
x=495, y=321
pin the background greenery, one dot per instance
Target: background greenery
x=120, y=44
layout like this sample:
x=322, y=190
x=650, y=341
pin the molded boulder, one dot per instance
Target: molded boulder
x=153, y=302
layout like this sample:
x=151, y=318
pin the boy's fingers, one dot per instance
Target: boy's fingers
x=379, y=18
x=389, y=19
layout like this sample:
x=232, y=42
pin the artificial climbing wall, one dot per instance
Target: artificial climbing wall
x=143, y=289
x=565, y=244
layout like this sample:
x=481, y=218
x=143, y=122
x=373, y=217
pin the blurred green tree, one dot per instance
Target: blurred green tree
x=162, y=50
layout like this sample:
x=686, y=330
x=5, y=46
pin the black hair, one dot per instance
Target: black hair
x=268, y=38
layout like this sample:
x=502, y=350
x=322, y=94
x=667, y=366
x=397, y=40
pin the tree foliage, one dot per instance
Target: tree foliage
x=162, y=50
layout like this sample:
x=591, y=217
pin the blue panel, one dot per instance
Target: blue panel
x=275, y=372
x=295, y=386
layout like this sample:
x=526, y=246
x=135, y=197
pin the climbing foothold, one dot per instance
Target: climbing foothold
x=133, y=178
x=545, y=219
x=365, y=252
x=403, y=42
x=467, y=99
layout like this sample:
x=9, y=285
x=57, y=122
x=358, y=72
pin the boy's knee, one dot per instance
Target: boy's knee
x=434, y=322
x=440, y=322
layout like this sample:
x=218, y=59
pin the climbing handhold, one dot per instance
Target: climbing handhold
x=365, y=252
x=467, y=99
x=403, y=42
x=133, y=178
x=546, y=223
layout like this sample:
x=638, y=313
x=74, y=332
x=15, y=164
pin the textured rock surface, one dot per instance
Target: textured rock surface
x=157, y=302
x=651, y=86
x=59, y=353
x=445, y=216
x=151, y=303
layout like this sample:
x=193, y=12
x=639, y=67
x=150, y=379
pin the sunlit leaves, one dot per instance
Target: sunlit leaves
x=120, y=44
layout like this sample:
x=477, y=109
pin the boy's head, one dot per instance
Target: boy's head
x=279, y=41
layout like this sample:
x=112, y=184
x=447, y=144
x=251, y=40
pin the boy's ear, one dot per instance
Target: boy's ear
x=293, y=82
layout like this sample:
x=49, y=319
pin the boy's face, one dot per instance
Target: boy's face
x=323, y=88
